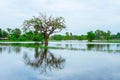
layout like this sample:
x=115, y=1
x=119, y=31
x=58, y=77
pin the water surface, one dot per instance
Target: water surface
x=61, y=61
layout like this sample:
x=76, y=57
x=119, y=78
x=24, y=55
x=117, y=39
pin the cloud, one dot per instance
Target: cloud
x=80, y=15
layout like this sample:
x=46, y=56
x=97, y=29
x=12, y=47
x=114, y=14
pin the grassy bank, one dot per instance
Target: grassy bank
x=108, y=41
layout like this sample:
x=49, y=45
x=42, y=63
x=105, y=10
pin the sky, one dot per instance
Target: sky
x=80, y=16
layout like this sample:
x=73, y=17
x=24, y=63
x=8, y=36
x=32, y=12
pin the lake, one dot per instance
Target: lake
x=63, y=60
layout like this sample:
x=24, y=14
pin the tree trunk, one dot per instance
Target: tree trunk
x=46, y=42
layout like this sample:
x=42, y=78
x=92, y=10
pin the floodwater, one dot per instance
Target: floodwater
x=61, y=61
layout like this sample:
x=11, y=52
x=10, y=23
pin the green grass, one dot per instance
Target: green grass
x=17, y=41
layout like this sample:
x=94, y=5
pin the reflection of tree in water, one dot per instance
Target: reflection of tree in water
x=67, y=46
x=118, y=45
x=9, y=48
x=44, y=60
x=90, y=46
x=98, y=47
x=16, y=49
x=4, y=48
x=104, y=47
x=0, y=49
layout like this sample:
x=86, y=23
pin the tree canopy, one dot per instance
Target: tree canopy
x=90, y=35
x=45, y=25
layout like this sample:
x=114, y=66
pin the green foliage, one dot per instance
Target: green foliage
x=67, y=37
x=108, y=35
x=90, y=36
x=9, y=30
x=0, y=32
x=57, y=37
x=75, y=37
x=118, y=35
x=100, y=34
x=31, y=36
x=35, y=35
x=3, y=33
x=16, y=33
x=22, y=38
x=80, y=38
x=38, y=37
x=83, y=37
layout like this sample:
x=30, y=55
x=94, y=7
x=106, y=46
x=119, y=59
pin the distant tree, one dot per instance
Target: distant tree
x=15, y=34
x=67, y=36
x=118, y=35
x=108, y=35
x=83, y=37
x=45, y=25
x=71, y=36
x=37, y=37
x=79, y=38
x=75, y=37
x=100, y=34
x=4, y=34
x=9, y=30
x=57, y=37
x=0, y=32
x=29, y=35
x=22, y=38
x=90, y=36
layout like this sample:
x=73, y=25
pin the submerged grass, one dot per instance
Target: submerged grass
x=38, y=45
x=107, y=41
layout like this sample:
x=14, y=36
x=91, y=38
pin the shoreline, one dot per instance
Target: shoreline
x=64, y=42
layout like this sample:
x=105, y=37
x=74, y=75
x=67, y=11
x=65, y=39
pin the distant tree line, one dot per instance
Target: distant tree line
x=21, y=35
x=102, y=35
x=68, y=36
x=91, y=35
x=17, y=35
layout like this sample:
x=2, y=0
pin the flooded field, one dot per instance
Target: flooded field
x=60, y=61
